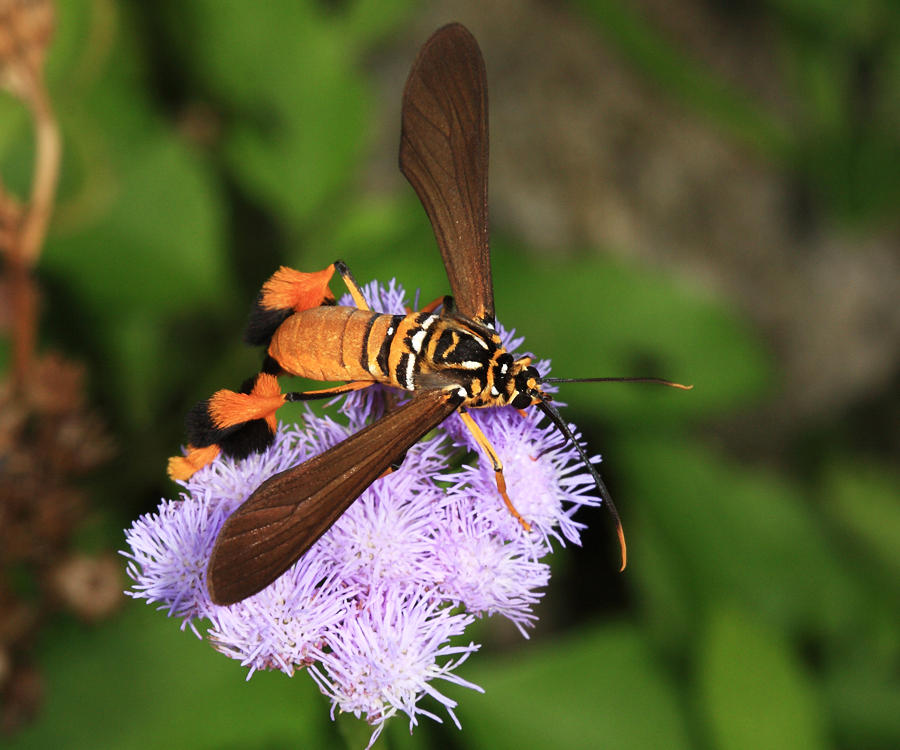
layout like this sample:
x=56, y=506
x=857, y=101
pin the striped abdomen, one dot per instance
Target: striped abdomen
x=344, y=343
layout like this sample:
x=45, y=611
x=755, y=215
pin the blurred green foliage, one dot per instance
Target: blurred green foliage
x=206, y=142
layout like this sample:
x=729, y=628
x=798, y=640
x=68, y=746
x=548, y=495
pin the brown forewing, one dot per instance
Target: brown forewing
x=289, y=511
x=444, y=155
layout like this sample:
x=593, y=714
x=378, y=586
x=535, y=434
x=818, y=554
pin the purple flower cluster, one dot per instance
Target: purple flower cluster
x=376, y=609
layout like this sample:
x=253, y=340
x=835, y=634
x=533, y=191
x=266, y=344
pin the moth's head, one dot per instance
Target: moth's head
x=525, y=382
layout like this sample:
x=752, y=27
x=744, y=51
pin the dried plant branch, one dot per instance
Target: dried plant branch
x=27, y=26
x=49, y=435
x=46, y=174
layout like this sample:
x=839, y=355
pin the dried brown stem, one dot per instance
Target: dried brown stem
x=46, y=172
x=24, y=233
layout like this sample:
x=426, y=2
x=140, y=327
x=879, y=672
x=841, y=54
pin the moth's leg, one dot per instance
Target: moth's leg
x=354, y=385
x=486, y=446
x=351, y=285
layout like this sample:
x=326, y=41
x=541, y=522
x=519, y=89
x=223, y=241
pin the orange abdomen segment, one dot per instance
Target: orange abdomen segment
x=328, y=343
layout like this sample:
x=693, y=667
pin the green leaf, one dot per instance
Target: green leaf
x=137, y=682
x=376, y=228
x=139, y=223
x=862, y=498
x=723, y=531
x=156, y=248
x=752, y=691
x=286, y=73
x=16, y=146
x=598, y=689
x=370, y=20
x=864, y=701
x=595, y=316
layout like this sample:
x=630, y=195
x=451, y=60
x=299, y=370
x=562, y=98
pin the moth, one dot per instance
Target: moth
x=448, y=356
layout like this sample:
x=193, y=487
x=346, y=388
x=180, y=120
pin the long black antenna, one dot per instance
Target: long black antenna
x=557, y=419
x=657, y=381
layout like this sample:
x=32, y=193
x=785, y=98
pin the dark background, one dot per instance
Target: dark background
x=704, y=191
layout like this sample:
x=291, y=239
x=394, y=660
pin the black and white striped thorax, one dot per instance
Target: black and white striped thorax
x=462, y=352
x=427, y=350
